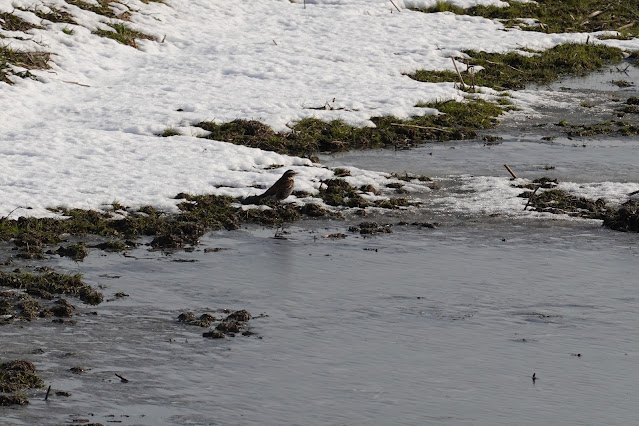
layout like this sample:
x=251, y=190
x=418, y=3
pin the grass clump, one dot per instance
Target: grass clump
x=54, y=283
x=11, y=22
x=17, y=376
x=613, y=127
x=10, y=58
x=55, y=15
x=123, y=34
x=558, y=16
x=457, y=120
x=512, y=71
x=102, y=8
x=169, y=132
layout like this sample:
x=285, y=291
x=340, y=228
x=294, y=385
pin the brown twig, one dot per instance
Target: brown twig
x=623, y=27
x=395, y=5
x=458, y=73
x=531, y=197
x=122, y=379
x=510, y=171
x=47, y=395
x=421, y=127
x=502, y=64
x=75, y=82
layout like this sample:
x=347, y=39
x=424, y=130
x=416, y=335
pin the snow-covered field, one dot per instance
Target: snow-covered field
x=84, y=133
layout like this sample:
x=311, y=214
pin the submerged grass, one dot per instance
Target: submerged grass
x=558, y=16
x=513, y=71
x=456, y=120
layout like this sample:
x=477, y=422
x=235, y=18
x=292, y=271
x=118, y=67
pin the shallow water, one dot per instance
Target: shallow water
x=419, y=326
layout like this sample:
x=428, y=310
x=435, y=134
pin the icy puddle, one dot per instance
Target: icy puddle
x=417, y=326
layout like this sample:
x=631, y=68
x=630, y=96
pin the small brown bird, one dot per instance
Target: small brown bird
x=279, y=191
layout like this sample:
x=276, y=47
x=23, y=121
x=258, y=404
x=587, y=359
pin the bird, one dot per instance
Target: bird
x=279, y=191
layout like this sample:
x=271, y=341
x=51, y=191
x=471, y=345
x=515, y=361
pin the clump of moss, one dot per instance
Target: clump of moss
x=513, y=71
x=123, y=34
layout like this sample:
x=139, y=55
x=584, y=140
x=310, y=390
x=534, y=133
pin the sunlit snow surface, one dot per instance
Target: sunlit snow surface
x=83, y=135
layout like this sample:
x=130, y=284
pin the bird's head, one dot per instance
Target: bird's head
x=290, y=173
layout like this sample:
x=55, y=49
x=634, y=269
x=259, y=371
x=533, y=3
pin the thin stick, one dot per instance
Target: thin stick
x=75, y=82
x=531, y=197
x=458, y=73
x=395, y=6
x=623, y=27
x=122, y=378
x=499, y=63
x=421, y=127
x=47, y=395
x=510, y=171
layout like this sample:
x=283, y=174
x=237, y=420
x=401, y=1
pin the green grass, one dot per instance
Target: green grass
x=459, y=120
x=123, y=34
x=54, y=283
x=169, y=132
x=11, y=22
x=102, y=8
x=24, y=59
x=559, y=16
x=54, y=15
x=512, y=71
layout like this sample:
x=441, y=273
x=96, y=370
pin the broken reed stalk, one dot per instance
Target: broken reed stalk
x=421, y=127
x=458, y=74
x=122, y=379
x=531, y=197
x=510, y=171
x=395, y=5
x=47, y=395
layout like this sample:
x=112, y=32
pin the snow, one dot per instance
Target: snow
x=84, y=133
